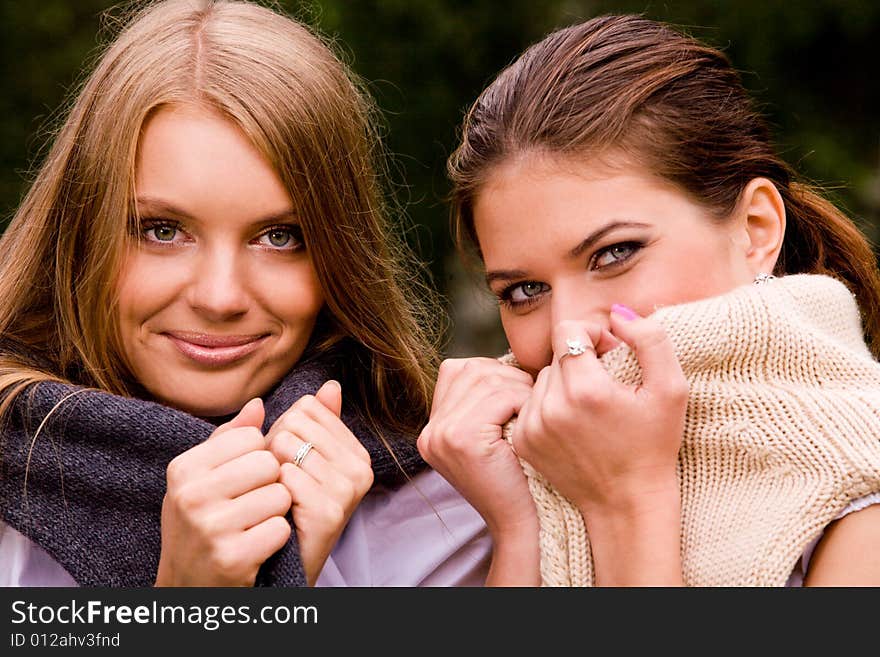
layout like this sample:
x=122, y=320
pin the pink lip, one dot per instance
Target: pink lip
x=214, y=350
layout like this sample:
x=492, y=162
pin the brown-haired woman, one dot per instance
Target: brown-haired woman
x=206, y=244
x=676, y=423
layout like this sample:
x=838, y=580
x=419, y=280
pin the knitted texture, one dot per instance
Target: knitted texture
x=88, y=486
x=782, y=431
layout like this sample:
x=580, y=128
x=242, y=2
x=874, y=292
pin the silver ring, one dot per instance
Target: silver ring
x=301, y=454
x=575, y=348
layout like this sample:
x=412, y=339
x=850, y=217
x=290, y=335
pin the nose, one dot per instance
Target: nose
x=571, y=300
x=218, y=289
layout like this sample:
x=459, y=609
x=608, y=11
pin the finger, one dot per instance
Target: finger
x=458, y=375
x=251, y=414
x=338, y=446
x=306, y=415
x=330, y=394
x=286, y=447
x=255, y=506
x=607, y=342
x=447, y=376
x=539, y=392
x=574, y=356
x=206, y=456
x=492, y=406
x=338, y=443
x=305, y=493
x=530, y=412
x=299, y=484
x=572, y=336
x=480, y=378
x=308, y=402
x=266, y=538
x=648, y=340
x=304, y=429
x=245, y=473
x=304, y=490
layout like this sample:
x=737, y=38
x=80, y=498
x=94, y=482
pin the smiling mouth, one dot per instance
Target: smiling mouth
x=215, y=350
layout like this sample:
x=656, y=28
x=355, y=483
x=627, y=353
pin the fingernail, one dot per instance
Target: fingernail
x=627, y=313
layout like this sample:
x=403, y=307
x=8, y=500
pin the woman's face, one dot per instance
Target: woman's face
x=218, y=296
x=563, y=240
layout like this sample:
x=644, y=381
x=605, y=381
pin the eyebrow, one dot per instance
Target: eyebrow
x=160, y=206
x=589, y=241
x=595, y=236
x=504, y=275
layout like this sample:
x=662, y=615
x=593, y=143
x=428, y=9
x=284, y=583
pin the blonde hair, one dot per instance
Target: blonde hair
x=306, y=113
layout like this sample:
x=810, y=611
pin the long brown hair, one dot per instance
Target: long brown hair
x=306, y=113
x=672, y=104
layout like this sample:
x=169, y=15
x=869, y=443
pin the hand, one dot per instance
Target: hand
x=330, y=481
x=599, y=442
x=612, y=449
x=223, y=512
x=473, y=399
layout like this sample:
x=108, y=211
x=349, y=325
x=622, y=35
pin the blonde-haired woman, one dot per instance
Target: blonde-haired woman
x=206, y=332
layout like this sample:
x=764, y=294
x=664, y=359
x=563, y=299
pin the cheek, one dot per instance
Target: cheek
x=145, y=286
x=645, y=294
x=293, y=296
x=707, y=274
x=529, y=339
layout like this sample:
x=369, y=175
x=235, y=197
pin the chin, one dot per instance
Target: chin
x=209, y=394
x=204, y=406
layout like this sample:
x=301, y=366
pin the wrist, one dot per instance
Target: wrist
x=515, y=532
x=516, y=560
x=517, y=527
x=637, y=542
x=634, y=495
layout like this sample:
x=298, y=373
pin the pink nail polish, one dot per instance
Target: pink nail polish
x=627, y=313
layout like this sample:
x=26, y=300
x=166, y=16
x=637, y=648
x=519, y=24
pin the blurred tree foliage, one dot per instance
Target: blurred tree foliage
x=809, y=64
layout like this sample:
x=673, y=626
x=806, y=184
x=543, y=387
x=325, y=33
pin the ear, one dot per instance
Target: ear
x=760, y=221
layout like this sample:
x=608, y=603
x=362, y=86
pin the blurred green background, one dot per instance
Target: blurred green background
x=811, y=64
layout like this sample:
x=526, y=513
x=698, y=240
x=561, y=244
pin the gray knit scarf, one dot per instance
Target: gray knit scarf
x=89, y=489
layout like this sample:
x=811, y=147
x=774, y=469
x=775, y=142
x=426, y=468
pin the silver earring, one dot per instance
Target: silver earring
x=763, y=278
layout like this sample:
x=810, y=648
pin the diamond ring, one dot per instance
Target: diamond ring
x=575, y=348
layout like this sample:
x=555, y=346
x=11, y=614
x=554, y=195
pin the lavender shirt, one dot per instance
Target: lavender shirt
x=394, y=538
x=421, y=534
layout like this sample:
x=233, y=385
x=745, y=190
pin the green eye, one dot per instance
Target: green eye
x=164, y=233
x=615, y=254
x=279, y=238
x=283, y=238
x=160, y=232
x=532, y=289
x=523, y=294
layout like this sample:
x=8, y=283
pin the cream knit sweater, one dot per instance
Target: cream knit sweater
x=782, y=431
